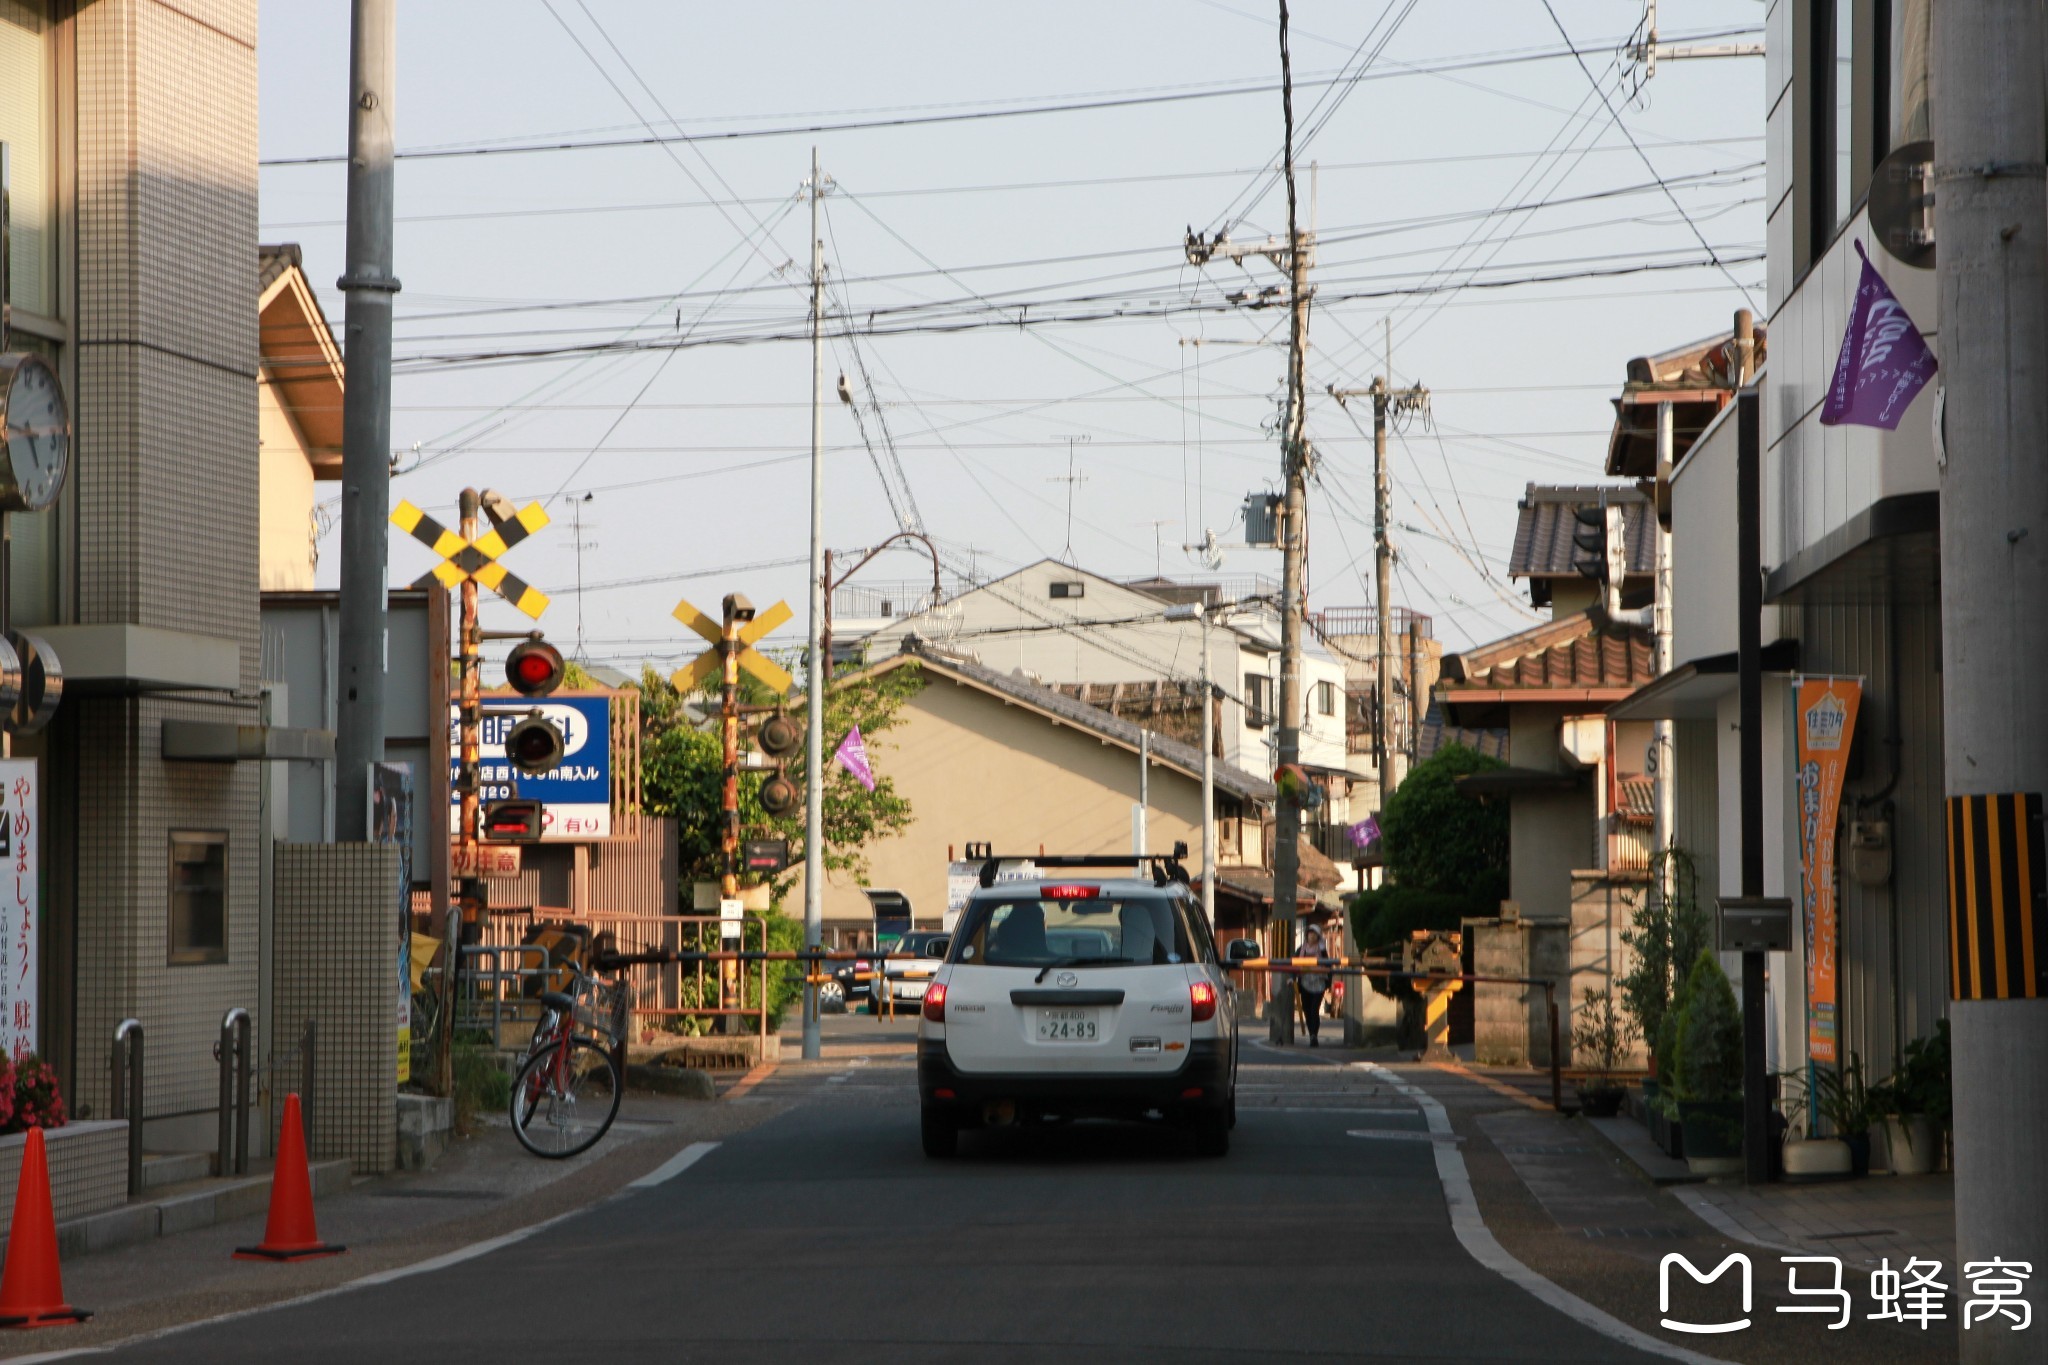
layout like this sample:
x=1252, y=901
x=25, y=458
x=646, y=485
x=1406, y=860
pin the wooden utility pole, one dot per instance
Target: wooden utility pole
x=1991, y=243
x=1294, y=457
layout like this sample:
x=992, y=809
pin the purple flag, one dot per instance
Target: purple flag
x=852, y=755
x=1884, y=360
x=1366, y=832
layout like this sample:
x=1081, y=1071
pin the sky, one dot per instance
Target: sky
x=620, y=332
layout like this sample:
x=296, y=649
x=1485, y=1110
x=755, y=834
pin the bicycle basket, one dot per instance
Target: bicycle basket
x=602, y=1009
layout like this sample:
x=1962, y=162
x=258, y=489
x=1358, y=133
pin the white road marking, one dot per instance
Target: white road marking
x=1402, y=1135
x=668, y=1170
x=674, y=1166
x=1480, y=1244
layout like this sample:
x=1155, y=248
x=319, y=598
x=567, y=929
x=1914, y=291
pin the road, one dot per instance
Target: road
x=824, y=1233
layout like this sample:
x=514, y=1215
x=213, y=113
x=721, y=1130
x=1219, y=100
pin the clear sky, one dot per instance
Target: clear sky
x=694, y=457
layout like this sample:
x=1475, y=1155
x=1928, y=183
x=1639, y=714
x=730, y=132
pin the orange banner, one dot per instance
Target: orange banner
x=1827, y=724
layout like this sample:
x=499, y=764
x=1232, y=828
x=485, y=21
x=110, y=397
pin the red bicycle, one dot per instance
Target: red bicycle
x=568, y=1089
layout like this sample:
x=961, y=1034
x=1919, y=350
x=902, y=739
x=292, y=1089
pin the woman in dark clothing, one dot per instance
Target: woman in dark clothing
x=1313, y=984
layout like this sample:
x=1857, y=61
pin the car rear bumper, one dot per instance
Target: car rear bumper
x=1202, y=1082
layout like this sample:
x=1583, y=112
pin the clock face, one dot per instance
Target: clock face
x=38, y=434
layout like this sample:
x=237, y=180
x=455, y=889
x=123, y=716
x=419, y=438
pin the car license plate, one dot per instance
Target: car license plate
x=1066, y=1026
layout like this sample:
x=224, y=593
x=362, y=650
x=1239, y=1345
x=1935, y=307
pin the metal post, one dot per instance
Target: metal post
x=233, y=1054
x=1749, y=589
x=308, y=1050
x=821, y=662
x=368, y=286
x=1294, y=457
x=127, y=1064
x=1141, y=818
x=729, y=647
x=1208, y=783
x=1991, y=225
x=1383, y=584
x=1663, y=744
x=1556, y=1061
x=467, y=927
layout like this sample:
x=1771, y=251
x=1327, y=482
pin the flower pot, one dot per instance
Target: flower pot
x=1601, y=1103
x=1911, y=1144
x=1713, y=1135
x=1859, y=1151
x=1818, y=1159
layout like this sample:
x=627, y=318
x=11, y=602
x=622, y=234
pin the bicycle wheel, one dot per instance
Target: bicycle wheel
x=561, y=1105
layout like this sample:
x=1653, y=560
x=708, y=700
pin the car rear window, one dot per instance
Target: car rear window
x=1026, y=931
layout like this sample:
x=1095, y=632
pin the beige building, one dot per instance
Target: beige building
x=990, y=757
x=298, y=411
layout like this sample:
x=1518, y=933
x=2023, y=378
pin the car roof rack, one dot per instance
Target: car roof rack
x=1165, y=867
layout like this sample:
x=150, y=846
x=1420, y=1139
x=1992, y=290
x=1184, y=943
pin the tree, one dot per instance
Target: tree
x=682, y=769
x=1666, y=934
x=1446, y=854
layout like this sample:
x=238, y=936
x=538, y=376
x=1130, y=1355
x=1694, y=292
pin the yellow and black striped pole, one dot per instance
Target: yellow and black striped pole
x=1998, y=917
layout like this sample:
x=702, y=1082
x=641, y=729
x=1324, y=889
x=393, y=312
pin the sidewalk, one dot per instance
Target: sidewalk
x=1860, y=1221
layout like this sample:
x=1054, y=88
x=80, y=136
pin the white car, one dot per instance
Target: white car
x=902, y=975
x=1077, y=996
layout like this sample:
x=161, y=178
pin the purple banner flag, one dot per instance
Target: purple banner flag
x=1366, y=832
x=852, y=755
x=1884, y=360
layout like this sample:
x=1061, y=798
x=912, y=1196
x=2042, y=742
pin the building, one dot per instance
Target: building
x=298, y=417
x=1066, y=627
x=988, y=756
x=1850, y=529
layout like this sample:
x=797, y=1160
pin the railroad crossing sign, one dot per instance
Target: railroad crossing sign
x=478, y=559
x=692, y=675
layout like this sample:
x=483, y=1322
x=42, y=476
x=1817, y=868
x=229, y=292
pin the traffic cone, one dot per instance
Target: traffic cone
x=32, y=1287
x=289, y=1235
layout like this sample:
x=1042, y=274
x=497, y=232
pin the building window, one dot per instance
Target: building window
x=1069, y=589
x=1326, y=699
x=1258, y=700
x=199, y=897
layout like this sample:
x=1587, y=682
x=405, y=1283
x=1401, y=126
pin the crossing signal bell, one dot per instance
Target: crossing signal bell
x=779, y=738
x=511, y=822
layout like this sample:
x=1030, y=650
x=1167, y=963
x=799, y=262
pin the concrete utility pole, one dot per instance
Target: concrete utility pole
x=1294, y=455
x=366, y=414
x=1991, y=231
x=821, y=663
x=1664, y=735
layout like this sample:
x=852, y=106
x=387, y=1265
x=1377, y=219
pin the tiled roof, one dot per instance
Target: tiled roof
x=1544, y=526
x=1439, y=734
x=1564, y=654
x=272, y=261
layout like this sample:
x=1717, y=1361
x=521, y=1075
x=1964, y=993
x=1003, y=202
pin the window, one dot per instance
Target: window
x=25, y=127
x=1090, y=930
x=1069, y=589
x=199, y=897
x=1326, y=699
x=1258, y=700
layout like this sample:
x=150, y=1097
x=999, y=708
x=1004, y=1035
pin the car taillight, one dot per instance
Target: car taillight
x=1202, y=1000
x=935, y=1002
x=1069, y=892
x=861, y=965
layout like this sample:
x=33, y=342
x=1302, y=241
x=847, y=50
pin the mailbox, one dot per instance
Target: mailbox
x=1755, y=924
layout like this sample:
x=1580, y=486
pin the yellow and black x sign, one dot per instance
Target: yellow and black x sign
x=705, y=665
x=477, y=558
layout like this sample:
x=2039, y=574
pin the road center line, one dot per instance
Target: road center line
x=1480, y=1243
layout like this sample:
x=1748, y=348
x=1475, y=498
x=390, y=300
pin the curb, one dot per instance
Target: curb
x=216, y=1202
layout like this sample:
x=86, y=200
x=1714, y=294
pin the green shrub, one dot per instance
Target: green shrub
x=1438, y=839
x=1665, y=935
x=1709, y=1061
x=1386, y=916
x=481, y=1085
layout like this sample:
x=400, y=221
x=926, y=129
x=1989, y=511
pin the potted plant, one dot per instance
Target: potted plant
x=1663, y=1101
x=1842, y=1102
x=1915, y=1103
x=1709, y=1066
x=1667, y=931
x=1601, y=1037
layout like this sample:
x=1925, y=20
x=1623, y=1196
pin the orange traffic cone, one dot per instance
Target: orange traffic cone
x=290, y=1234
x=32, y=1287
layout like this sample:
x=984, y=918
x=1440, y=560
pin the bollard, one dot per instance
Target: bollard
x=307, y=1044
x=232, y=1051
x=127, y=1059
x=1556, y=1063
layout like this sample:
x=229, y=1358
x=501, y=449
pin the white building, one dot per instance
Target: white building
x=1069, y=628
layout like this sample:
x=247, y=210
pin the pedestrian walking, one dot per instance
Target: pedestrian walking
x=1312, y=984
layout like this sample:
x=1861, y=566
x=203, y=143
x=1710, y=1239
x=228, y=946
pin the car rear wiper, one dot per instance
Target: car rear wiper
x=1062, y=962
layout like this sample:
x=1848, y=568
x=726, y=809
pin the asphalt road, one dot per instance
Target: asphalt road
x=825, y=1233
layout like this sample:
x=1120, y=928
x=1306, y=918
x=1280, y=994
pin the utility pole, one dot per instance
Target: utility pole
x=368, y=286
x=1663, y=742
x=738, y=611
x=1388, y=403
x=820, y=661
x=469, y=885
x=1991, y=232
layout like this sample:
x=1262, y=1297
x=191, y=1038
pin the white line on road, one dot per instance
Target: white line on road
x=674, y=1166
x=1480, y=1243
x=668, y=1170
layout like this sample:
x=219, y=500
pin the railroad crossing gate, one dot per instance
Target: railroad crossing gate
x=1435, y=954
x=478, y=559
x=692, y=675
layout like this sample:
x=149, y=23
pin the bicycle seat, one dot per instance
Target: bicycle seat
x=558, y=1002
